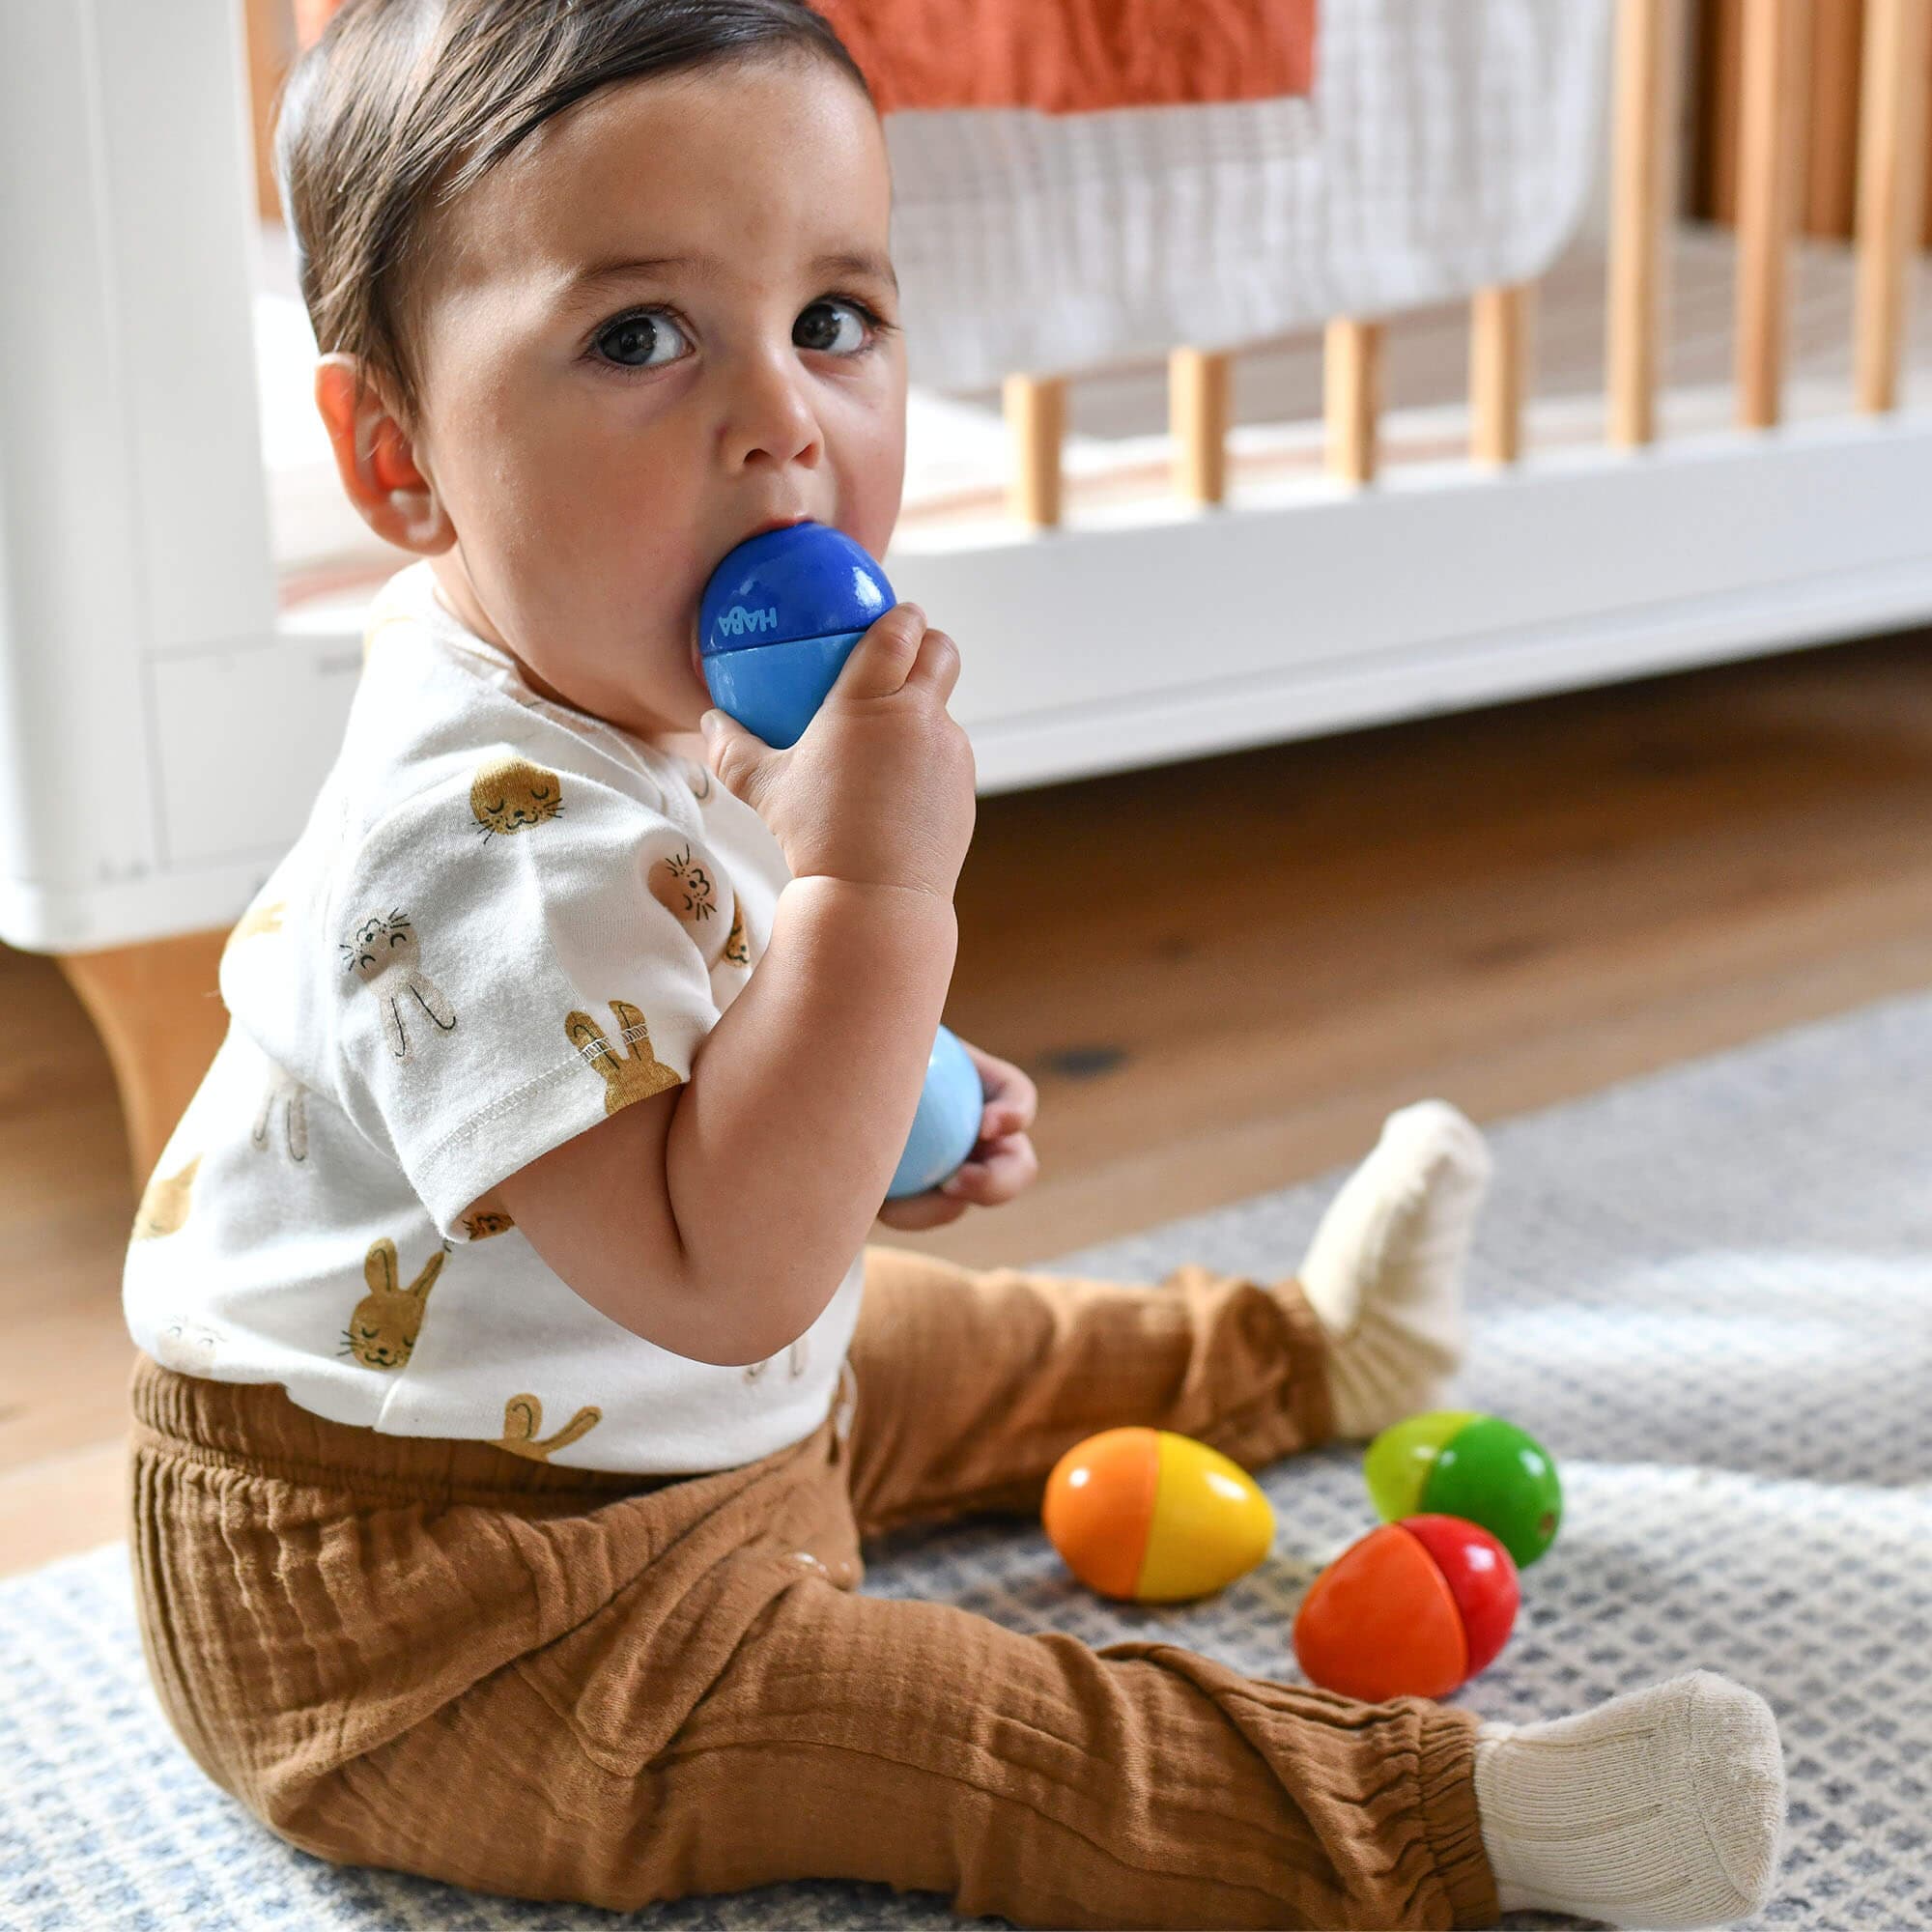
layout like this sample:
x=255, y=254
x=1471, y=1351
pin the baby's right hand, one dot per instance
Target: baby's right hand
x=879, y=790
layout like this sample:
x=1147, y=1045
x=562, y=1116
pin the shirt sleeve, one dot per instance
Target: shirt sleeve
x=520, y=954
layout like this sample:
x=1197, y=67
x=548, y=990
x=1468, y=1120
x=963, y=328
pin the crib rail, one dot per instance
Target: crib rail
x=1892, y=168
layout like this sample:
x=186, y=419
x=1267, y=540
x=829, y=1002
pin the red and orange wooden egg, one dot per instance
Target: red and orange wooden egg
x=1413, y=1609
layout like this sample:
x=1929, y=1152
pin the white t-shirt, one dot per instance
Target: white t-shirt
x=503, y=921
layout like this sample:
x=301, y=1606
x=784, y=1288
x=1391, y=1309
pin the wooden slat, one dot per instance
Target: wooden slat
x=1351, y=382
x=1772, y=79
x=1036, y=410
x=1891, y=164
x=1199, y=399
x=1925, y=177
x=1637, y=222
x=1498, y=357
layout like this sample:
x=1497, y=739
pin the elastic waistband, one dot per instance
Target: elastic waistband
x=253, y=1427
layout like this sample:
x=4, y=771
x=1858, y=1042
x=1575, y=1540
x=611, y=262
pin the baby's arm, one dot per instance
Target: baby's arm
x=718, y=1219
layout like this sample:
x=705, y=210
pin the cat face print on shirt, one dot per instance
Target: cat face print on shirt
x=510, y=793
x=189, y=1348
x=683, y=886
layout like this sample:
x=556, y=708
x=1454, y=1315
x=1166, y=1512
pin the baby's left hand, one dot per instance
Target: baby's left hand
x=1002, y=1164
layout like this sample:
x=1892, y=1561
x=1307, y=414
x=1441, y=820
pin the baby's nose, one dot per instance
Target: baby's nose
x=771, y=419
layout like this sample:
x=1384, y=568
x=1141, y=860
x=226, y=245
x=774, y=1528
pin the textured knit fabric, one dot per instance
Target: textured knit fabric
x=504, y=922
x=446, y=1658
x=1663, y=1807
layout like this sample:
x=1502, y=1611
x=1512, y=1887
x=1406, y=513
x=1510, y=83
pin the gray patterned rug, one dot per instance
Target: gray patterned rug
x=1707, y=1291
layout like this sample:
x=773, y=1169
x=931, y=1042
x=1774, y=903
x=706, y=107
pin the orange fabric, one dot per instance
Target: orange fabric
x=1071, y=57
x=1076, y=56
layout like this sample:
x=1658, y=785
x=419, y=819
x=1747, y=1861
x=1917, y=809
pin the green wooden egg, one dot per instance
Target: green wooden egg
x=1453, y=1462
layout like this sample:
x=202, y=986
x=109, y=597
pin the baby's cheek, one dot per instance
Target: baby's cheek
x=870, y=511
x=871, y=466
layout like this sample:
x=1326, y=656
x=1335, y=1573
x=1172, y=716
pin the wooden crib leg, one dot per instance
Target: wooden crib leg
x=1498, y=357
x=1351, y=365
x=1036, y=413
x=1199, y=394
x=157, y=1008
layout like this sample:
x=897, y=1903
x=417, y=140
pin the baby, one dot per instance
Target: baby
x=518, y=1384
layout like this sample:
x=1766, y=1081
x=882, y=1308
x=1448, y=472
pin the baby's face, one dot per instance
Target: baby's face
x=643, y=337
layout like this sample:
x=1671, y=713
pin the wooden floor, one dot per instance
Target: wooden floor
x=1224, y=973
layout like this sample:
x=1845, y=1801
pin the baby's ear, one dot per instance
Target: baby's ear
x=375, y=456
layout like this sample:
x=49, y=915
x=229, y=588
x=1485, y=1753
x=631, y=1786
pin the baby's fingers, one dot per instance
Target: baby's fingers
x=996, y=1173
x=937, y=666
x=883, y=659
x=741, y=758
x=1011, y=1109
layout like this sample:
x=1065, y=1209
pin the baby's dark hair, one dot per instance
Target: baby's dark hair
x=402, y=104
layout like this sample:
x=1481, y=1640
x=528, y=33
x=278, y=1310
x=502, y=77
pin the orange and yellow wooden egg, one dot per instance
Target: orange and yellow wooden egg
x=1154, y=1518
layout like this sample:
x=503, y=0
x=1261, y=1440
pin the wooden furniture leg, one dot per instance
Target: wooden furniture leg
x=1498, y=370
x=157, y=1008
x=1200, y=387
x=1036, y=413
x=1352, y=374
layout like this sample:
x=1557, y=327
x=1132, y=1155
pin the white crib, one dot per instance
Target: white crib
x=173, y=670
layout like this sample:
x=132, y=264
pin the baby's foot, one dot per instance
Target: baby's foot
x=1660, y=1808
x=1384, y=1272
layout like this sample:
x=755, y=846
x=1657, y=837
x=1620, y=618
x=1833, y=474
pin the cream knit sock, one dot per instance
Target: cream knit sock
x=1384, y=1272
x=1659, y=1808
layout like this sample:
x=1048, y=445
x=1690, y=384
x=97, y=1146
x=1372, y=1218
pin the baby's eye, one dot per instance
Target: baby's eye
x=634, y=341
x=822, y=326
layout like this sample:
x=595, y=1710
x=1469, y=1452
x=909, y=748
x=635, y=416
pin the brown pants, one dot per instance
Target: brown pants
x=441, y=1658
